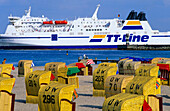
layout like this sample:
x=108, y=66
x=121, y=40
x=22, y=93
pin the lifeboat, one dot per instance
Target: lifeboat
x=48, y=22
x=61, y=22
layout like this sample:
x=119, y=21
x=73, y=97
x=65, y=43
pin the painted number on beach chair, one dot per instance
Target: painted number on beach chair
x=114, y=87
x=115, y=84
x=32, y=83
x=136, y=86
x=99, y=78
x=116, y=103
x=49, y=99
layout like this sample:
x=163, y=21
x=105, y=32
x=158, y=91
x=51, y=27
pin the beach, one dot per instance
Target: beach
x=85, y=101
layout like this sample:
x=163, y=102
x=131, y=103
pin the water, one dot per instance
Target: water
x=41, y=57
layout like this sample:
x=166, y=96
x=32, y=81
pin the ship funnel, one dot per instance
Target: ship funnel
x=142, y=16
x=94, y=17
x=132, y=16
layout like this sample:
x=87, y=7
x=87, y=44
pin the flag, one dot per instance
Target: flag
x=13, y=68
x=117, y=72
x=52, y=77
x=75, y=95
x=157, y=84
x=32, y=65
x=146, y=106
x=13, y=84
x=90, y=61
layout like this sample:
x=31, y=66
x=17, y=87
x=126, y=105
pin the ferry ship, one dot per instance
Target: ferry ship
x=29, y=32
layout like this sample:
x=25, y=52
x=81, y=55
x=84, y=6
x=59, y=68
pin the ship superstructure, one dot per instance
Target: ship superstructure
x=91, y=33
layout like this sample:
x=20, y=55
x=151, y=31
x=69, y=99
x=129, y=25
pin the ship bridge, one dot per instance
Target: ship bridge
x=135, y=23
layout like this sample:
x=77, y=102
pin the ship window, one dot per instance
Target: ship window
x=99, y=25
x=86, y=29
x=92, y=29
x=100, y=29
x=78, y=25
x=80, y=33
x=87, y=22
x=94, y=22
x=89, y=29
x=54, y=37
x=81, y=29
x=73, y=26
x=72, y=33
x=97, y=29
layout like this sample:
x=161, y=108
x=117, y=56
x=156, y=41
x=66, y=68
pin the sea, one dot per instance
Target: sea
x=41, y=57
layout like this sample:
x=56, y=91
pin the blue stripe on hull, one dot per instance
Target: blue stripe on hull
x=132, y=28
x=60, y=47
x=24, y=37
x=74, y=37
x=40, y=37
x=161, y=36
x=95, y=40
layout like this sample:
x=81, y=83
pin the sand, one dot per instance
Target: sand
x=85, y=101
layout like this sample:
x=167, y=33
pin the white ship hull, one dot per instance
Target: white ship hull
x=82, y=42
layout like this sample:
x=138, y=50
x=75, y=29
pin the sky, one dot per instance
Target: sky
x=157, y=11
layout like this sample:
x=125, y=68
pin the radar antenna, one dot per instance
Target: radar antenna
x=94, y=17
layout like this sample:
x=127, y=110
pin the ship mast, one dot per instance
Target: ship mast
x=27, y=12
x=94, y=17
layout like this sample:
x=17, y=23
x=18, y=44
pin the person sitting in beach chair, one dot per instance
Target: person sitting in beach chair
x=4, y=61
x=85, y=57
